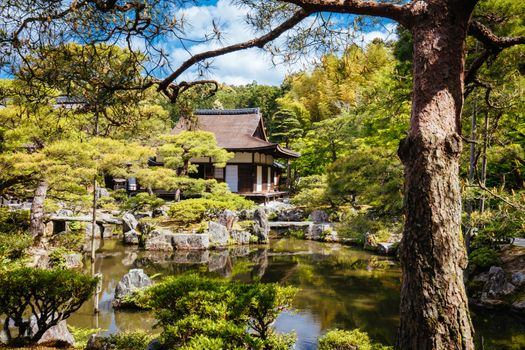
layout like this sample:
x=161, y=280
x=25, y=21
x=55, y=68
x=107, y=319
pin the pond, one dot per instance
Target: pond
x=340, y=287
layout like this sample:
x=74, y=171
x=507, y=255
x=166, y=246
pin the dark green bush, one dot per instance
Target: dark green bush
x=136, y=340
x=484, y=257
x=14, y=222
x=195, y=312
x=48, y=295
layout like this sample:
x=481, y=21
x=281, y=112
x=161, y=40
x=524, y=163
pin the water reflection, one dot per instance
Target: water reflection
x=339, y=287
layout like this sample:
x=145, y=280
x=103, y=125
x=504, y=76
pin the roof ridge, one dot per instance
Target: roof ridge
x=255, y=110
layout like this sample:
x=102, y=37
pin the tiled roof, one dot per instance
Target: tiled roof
x=236, y=129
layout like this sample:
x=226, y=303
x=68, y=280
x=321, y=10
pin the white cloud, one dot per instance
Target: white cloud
x=241, y=67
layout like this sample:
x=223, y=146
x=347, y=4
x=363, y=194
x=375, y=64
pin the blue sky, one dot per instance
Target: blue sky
x=246, y=66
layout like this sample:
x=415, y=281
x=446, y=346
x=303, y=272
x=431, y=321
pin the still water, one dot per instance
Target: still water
x=340, y=287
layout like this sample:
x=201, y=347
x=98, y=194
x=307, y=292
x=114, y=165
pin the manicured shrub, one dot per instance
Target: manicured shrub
x=197, y=313
x=194, y=210
x=142, y=202
x=484, y=257
x=50, y=296
x=135, y=340
x=348, y=340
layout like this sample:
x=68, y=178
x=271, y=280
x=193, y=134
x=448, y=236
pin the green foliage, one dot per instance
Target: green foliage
x=484, y=257
x=82, y=335
x=14, y=239
x=176, y=151
x=194, y=210
x=135, y=340
x=355, y=339
x=286, y=127
x=57, y=257
x=142, y=202
x=13, y=222
x=195, y=311
x=310, y=193
x=48, y=295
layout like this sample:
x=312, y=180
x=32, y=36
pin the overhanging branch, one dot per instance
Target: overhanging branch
x=257, y=42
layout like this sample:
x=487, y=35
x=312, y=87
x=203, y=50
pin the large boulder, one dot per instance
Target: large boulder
x=497, y=285
x=109, y=230
x=164, y=241
x=191, y=241
x=129, y=222
x=240, y=236
x=134, y=280
x=160, y=241
x=56, y=335
x=322, y=232
x=318, y=216
x=291, y=214
x=261, y=226
x=131, y=237
x=218, y=234
x=89, y=230
x=227, y=218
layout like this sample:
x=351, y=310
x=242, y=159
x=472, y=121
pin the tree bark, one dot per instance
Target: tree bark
x=36, y=224
x=434, y=307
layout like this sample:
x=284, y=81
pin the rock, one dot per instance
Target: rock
x=109, y=230
x=496, y=286
x=518, y=279
x=318, y=216
x=107, y=218
x=241, y=237
x=321, y=232
x=385, y=248
x=162, y=211
x=131, y=237
x=292, y=214
x=134, y=280
x=64, y=212
x=102, y=192
x=58, y=334
x=519, y=305
x=73, y=261
x=191, y=241
x=218, y=234
x=261, y=227
x=163, y=241
x=129, y=222
x=160, y=242
x=227, y=218
x=89, y=230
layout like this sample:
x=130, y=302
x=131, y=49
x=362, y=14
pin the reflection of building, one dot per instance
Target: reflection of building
x=253, y=171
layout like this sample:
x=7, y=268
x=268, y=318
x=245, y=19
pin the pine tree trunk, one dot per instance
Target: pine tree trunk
x=434, y=307
x=36, y=223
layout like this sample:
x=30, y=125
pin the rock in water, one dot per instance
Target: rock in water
x=134, y=280
x=261, y=227
x=218, y=234
x=240, y=236
x=131, y=237
x=129, y=222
